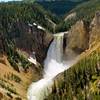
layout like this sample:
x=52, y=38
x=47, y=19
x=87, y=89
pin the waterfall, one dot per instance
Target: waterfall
x=53, y=65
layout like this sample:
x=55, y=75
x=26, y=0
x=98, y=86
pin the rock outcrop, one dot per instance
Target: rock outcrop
x=32, y=39
x=95, y=29
x=77, y=39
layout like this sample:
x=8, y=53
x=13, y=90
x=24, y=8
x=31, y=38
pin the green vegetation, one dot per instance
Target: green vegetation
x=84, y=11
x=4, y=85
x=12, y=13
x=80, y=82
x=65, y=25
x=59, y=7
x=17, y=60
x=14, y=77
x=87, y=10
x=15, y=18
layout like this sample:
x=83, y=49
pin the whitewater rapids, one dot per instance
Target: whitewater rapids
x=53, y=65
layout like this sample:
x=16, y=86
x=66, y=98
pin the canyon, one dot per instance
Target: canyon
x=38, y=63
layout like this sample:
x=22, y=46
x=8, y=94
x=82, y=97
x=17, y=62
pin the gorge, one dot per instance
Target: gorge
x=53, y=65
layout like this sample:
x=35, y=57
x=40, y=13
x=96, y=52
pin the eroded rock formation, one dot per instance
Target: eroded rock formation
x=77, y=40
x=32, y=39
x=95, y=29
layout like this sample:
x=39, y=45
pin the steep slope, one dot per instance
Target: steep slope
x=78, y=38
x=87, y=10
x=16, y=71
x=82, y=80
x=59, y=7
x=26, y=23
x=84, y=11
x=24, y=27
x=22, y=31
x=26, y=12
x=14, y=84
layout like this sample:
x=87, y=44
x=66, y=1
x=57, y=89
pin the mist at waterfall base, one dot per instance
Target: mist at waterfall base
x=53, y=65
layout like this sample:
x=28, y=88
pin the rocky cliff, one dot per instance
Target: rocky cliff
x=23, y=30
x=82, y=80
x=32, y=39
x=18, y=31
x=82, y=35
x=77, y=39
x=95, y=29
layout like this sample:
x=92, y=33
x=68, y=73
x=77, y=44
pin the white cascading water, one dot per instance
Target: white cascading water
x=53, y=65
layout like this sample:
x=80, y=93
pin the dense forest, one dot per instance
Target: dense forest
x=12, y=14
x=59, y=7
x=29, y=13
x=29, y=26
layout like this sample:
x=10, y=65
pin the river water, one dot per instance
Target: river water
x=53, y=65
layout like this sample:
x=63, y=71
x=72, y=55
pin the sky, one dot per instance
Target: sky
x=9, y=0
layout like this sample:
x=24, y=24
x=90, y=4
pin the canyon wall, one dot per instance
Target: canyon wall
x=32, y=39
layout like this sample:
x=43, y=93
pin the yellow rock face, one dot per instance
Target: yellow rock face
x=77, y=39
x=95, y=29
